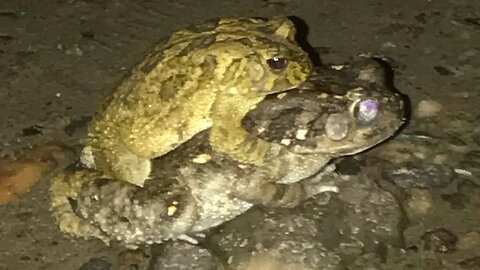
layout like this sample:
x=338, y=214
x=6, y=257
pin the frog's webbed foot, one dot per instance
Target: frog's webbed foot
x=70, y=223
x=120, y=163
x=323, y=181
x=63, y=192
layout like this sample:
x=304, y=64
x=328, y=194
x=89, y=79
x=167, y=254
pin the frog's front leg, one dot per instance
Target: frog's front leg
x=118, y=162
x=283, y=195
x=227, y=134
x=263, y=189
x=276, y=195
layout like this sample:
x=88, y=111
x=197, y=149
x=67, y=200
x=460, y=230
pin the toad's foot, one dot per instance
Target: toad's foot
x=322, y=183
x=63, y=190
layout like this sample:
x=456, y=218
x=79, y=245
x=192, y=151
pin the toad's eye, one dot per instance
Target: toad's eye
x=366, y=110
x=277, y=63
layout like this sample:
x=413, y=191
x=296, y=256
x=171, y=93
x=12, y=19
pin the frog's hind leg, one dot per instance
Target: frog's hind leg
x=63, y=191
x=119, y=163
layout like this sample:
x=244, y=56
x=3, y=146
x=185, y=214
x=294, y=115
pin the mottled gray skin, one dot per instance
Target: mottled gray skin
x=195, y=188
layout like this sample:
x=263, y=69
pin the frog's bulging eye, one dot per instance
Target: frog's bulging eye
x=366, y=110
x=277, y=63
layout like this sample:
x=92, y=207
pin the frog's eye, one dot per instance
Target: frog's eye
x=366, y=110
x=277, y=63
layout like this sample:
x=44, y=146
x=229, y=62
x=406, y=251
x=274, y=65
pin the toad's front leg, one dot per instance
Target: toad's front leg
x=284, y=195
x=227, y=134
x=263, y=187
x=118, y=162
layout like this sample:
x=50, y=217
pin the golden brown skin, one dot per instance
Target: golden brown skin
x=207, y=76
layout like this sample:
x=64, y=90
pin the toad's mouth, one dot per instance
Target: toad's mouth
x=284, y=84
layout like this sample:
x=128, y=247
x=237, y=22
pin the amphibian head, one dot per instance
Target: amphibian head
x=359, y=111
x=259, y=53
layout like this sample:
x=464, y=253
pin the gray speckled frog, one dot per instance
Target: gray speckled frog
x=339, y=112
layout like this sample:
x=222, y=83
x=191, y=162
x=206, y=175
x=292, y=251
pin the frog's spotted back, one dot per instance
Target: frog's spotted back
x=261, y=27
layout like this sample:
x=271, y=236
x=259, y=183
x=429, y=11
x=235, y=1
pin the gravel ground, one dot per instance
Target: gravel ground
x=413, y=203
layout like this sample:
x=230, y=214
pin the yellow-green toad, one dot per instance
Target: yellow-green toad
x=208, y=76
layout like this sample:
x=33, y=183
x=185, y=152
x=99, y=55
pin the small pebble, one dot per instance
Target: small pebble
x=286, y=141
x=388, y=44
x=202, y=158
x=420, y=201
x=267, y=262
x=96, y=264
x=470, y=263
x=440, y=240
x=440, y=159
x=301, y=134
x=469, y=241
x=463, y=172
x=428, y=108
x=182, y=255
x=425, y=175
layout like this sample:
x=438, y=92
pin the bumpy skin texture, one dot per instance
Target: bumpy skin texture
x=208, y=76
x=195, y=187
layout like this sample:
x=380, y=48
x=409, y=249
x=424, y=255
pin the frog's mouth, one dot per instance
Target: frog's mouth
x=286, y=80
x=363, y=139
x=279, y=86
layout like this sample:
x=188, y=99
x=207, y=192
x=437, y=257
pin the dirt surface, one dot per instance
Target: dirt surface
x=59, y=58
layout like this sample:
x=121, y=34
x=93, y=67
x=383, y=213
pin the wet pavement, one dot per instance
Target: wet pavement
x=411, y=203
